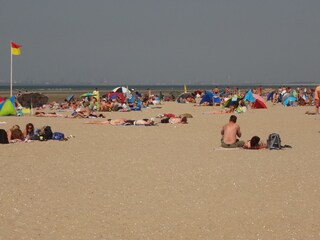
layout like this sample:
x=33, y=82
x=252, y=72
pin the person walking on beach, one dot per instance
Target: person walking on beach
x=317, y=98
x=230, y=132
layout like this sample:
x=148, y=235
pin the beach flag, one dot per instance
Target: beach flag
x=15, y=49
x=185, y=88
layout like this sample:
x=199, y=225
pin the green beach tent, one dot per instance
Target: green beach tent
x=7, y=107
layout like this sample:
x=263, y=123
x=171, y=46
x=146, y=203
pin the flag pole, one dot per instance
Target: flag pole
x=11, y=71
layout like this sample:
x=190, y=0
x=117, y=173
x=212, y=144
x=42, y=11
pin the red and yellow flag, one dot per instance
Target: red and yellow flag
x=15, y=49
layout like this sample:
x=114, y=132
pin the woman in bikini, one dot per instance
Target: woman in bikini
x=254, y=143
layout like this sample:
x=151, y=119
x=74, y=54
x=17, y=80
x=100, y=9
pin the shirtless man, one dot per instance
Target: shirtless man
x=230, y=132
x=317, y=98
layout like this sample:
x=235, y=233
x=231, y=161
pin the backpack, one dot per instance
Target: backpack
x=58, y=136
x=45, y=133
x=274, y=141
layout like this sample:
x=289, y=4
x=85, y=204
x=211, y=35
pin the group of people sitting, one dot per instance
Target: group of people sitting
x=303, y=96
x=231, y=132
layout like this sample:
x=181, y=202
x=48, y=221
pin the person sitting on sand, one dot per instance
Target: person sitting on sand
x=85, y=112
x=94, y=104
x=230, y=132
x=105, y=105
x=255, y=143
x=82, y=112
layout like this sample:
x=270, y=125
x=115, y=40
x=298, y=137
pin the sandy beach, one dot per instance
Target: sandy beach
x=163, y=182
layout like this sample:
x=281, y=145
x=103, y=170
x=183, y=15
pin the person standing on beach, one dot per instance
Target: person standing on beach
x=96, y=93
x=317, y=98
x=230, y=132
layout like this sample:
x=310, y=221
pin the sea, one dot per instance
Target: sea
x=141, y=88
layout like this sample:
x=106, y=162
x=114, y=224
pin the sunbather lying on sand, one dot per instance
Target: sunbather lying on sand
x=141, y=122
x=310, y=113
x=123, y=121
x=255, y=143
x=174, y=120
x=43, y=114
x=119, y=121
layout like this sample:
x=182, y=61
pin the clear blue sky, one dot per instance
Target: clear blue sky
x=161, y=41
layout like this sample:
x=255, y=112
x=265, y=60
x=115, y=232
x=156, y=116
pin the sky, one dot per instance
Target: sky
x=160, y=42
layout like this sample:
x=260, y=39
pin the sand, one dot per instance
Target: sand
x=163, y=182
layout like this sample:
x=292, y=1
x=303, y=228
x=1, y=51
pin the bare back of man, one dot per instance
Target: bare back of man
x=230, y=132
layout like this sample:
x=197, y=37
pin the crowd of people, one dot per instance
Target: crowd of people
x=92, y=106
x=88, y=106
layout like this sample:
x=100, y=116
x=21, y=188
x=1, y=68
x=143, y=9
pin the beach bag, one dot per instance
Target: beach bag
x=45, y=133
x=274, y=141
x=58, y=136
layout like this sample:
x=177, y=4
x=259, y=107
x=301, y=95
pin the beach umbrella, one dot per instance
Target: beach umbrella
x=184, y=96
x=234, y=101
x=30, y=100
x=125, y=91
x=69, y=98
x=122, y=90
x=88, y=94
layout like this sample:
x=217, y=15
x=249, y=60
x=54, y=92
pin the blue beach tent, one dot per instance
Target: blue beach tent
x=207, y=97
x=287, y=101
x=249, y=97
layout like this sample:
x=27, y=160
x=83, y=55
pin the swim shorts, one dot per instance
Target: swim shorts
x=238, y=143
